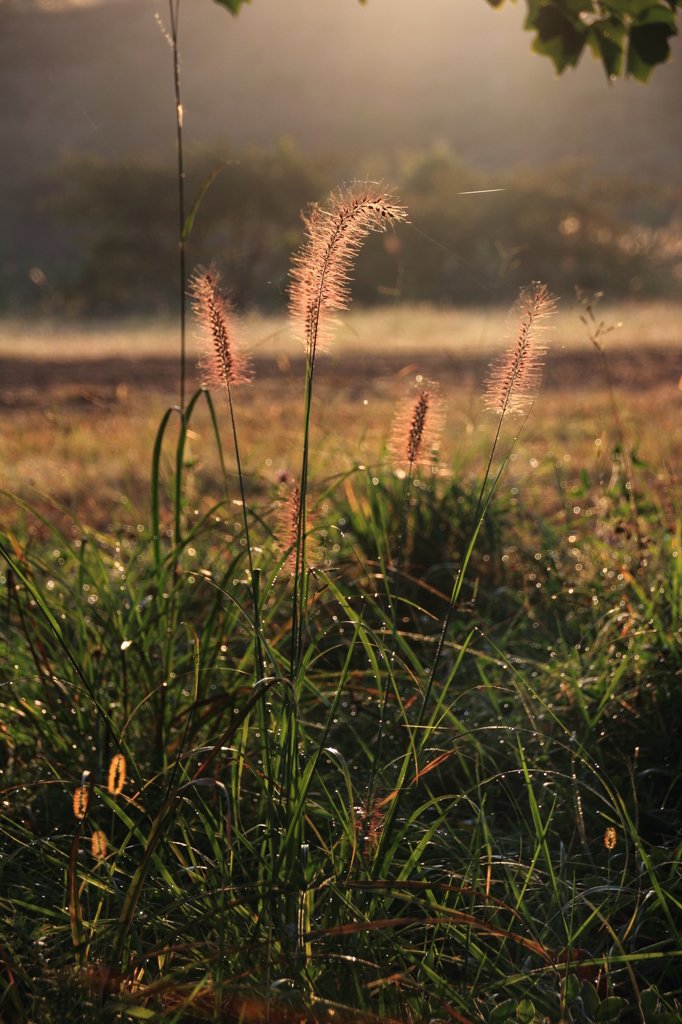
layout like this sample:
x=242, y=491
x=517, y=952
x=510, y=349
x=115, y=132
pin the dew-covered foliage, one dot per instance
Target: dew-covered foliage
x=511, y=849
x=396, y=744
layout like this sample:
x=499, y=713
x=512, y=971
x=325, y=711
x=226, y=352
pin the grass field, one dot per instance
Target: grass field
x=374, y=832
x=79, y=406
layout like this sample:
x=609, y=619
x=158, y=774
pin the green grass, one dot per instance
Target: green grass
x=247, y=875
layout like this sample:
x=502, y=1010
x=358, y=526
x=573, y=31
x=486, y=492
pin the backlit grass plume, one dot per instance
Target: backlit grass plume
x=287, y=525
x=99, y=845
x=320, y=286
x=321, y=270
x=223, y=362
x=80, y=802
x=515, y=374
x=417, y=427
x=117, y=774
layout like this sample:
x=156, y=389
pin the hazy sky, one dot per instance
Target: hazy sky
x=332, y=75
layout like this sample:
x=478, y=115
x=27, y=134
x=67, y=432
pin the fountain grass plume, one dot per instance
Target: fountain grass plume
x=515, y=374
x=223, y=361
x=417, y=427
x=320, y=287
x=117, y=775
x=511, y=388
x=80, y=802
x=98, y=845
x=288, y=515
x=320, y=275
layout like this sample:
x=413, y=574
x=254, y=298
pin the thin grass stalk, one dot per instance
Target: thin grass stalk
x=174, y=16
x=275, y=854
x=299, y=570
x=595, y=335
x=320, y=286
x=415, y=434
x=606, y=373
x=526, y=373
x=399, y=561
x=512, y=383
x=376, y=760
x=259, y=666
x=224, y=365
x=311, y=351
x=326, y=268
x=468, y=550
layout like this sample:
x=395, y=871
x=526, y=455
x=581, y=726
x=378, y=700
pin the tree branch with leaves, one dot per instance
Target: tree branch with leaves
x=628, y=36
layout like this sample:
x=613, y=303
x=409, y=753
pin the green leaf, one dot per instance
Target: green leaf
x=564, y=26
x=610, y=1008
x=503, y=1011
x=648, y=1001
x=649, y=43
x=130, y=1010
x=571, y=988
x=590, y=999
x=607, y=40
x=560, y=36
x=233, y=5
x=525, y=1011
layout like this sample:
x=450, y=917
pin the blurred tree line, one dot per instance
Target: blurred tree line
x=97, y=238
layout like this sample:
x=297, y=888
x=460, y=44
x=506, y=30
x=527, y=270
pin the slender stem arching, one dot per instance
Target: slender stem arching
x=311, y=343
x=303, y=505
x=174, y=15
x=475, y=526
x=382, y=711
x=604, y=366
x=260, y=672
x=299, y=588
x=403, y=521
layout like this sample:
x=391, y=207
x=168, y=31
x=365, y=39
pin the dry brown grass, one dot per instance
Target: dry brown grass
x=405, y=328
x=78, y=414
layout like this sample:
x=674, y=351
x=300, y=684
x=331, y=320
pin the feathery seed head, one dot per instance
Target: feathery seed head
x=610, y=837
x=99, y=845
x=515, y=374
x=287, y=525
x=117, y=774
x=223, y=362
x=417, y=427
x=80, y=802
x=320, y=274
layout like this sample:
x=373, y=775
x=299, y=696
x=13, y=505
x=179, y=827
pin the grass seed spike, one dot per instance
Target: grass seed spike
x=515, y=374
x=321, y=272
x=320, y=287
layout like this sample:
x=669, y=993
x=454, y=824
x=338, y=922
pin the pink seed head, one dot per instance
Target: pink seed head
x=417, y=428
x=223, y=361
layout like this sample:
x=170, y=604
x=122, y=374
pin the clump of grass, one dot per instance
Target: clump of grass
x=459, y=801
